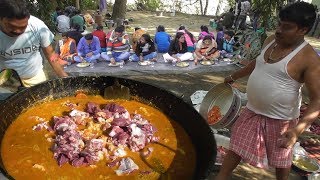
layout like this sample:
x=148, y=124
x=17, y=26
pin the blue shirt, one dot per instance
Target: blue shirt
x=162, y=40
x=228, y=45
x=84, y=48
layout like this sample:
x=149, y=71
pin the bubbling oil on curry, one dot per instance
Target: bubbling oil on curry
x=27, y=153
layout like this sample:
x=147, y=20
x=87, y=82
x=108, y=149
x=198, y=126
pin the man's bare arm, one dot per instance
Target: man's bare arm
x=312, y=83
x=49, y=52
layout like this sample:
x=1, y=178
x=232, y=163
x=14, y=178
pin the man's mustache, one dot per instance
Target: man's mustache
x=15, y=34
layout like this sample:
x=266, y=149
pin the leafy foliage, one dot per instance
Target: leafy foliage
x=150, y=5
x=268, y=11
x=40, y=9
x=43, y=9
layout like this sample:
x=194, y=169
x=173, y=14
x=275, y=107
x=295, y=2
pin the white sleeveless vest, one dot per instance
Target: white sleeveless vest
x=271, y=91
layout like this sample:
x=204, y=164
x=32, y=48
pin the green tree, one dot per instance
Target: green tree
x=41, y=8
x=268, y=10
x=150, y=5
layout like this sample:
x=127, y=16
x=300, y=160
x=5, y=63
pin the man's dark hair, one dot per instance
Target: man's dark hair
x=229, y=33
x=65, y=34
x=204, y=28
x=14, y=9
x=160, y=28
x=207, y=37
x=88, y=36
x=136, y=28
x=76, y=27
x=99, y=27
x=119, y=29
x=301, y=13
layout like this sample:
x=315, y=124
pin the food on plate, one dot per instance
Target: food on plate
x=83, y=64
x=214, y=115
x=182, y=64
x=305, y=164
x=89, y=137
x=209, y=62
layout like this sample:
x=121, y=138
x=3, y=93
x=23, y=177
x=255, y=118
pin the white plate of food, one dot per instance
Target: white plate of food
x=182, y=64
x=207, y=63
x=83, y=64
x=226, y=59
x=144, y=63
x=114, y=64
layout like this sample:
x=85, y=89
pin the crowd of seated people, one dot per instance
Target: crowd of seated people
x=115, y=47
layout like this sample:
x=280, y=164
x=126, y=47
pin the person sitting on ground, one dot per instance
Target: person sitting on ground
x=190, y=39
x=117, y=46
x=204, y=32
x=102, y=37
x=138, y=32
x=178, y=50
x=145, y=49
x=162, y=40
x=66, y=49
x=63, y=22
x=77, y=19
x=88, y=49
x=206, y=49
x=75, y=34
x=228, y=42
x=219, y=37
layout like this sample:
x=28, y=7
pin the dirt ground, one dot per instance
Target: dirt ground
x=150, y=21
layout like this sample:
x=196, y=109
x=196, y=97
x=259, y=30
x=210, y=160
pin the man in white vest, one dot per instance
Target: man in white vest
x=269, y=126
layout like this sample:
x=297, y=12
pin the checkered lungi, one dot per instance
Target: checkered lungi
x=254, y=138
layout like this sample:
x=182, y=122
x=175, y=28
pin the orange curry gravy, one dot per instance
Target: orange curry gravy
x=26, y=153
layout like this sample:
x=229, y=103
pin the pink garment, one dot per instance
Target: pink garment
x=203, y=34
x=187, y=38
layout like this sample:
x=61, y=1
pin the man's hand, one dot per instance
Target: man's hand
x=51, y=57
x=228, y=79
x=141, y=58
x=178, y=59
x=288, y=139
x=112, y=61
x=89, y=54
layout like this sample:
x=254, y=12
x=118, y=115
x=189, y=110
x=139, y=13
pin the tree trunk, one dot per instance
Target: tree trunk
x=201, y=7
x=206, y=8
x=119, y=10
x=218, y=8
x=78, y=4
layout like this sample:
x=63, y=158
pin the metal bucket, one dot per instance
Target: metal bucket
x=229, y=101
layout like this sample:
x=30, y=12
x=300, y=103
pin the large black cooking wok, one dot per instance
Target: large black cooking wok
x=174, y=107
